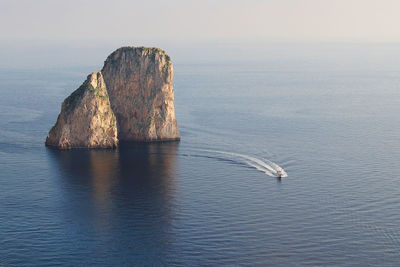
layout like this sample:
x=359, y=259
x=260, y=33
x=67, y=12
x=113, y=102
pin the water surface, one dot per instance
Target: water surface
x=334, y=131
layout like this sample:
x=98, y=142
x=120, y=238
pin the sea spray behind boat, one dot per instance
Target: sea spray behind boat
x=268, y=167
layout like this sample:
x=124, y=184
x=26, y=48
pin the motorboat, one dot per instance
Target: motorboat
x=280, y=172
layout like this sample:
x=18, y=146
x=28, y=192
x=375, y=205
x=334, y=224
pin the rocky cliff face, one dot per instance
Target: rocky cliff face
x=137, y=88
x=139, y=82
x=86, y=119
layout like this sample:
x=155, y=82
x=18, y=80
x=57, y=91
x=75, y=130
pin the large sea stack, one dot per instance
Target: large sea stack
x=134, y=102
x=139, y=83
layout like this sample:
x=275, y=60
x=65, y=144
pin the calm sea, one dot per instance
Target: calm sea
x=209, y=200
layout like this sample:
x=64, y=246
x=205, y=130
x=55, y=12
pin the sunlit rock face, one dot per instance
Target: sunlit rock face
x=131, y=99
x=139, y=83
x=86, y=119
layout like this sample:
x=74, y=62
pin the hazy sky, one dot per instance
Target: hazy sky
x=201, y=20
x=45, y=33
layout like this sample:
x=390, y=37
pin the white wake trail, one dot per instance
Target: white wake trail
x=268, y=167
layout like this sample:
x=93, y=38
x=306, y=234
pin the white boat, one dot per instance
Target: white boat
x=280, y=172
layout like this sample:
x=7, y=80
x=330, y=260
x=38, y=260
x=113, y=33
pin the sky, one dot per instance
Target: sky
x=197, y=20
x=31, y=25
x=367, y=20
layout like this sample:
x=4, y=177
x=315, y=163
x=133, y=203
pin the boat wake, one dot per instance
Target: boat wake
x=268, y=167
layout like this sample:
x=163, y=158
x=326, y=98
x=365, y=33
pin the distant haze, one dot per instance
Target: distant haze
x=197, y=20
x=36, y=29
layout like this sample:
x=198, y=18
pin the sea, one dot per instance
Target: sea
x=212, y=199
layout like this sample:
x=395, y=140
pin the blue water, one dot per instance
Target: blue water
x=335, y=132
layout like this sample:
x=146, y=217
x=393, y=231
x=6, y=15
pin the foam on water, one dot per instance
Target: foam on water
x=268, y=167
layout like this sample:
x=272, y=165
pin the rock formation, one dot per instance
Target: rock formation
x=86, y=119
x=137, y=88
x=139, y=82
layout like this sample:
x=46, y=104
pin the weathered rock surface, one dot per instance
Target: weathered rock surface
x=133, y=96
x=86, y=119
x=139, y=83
